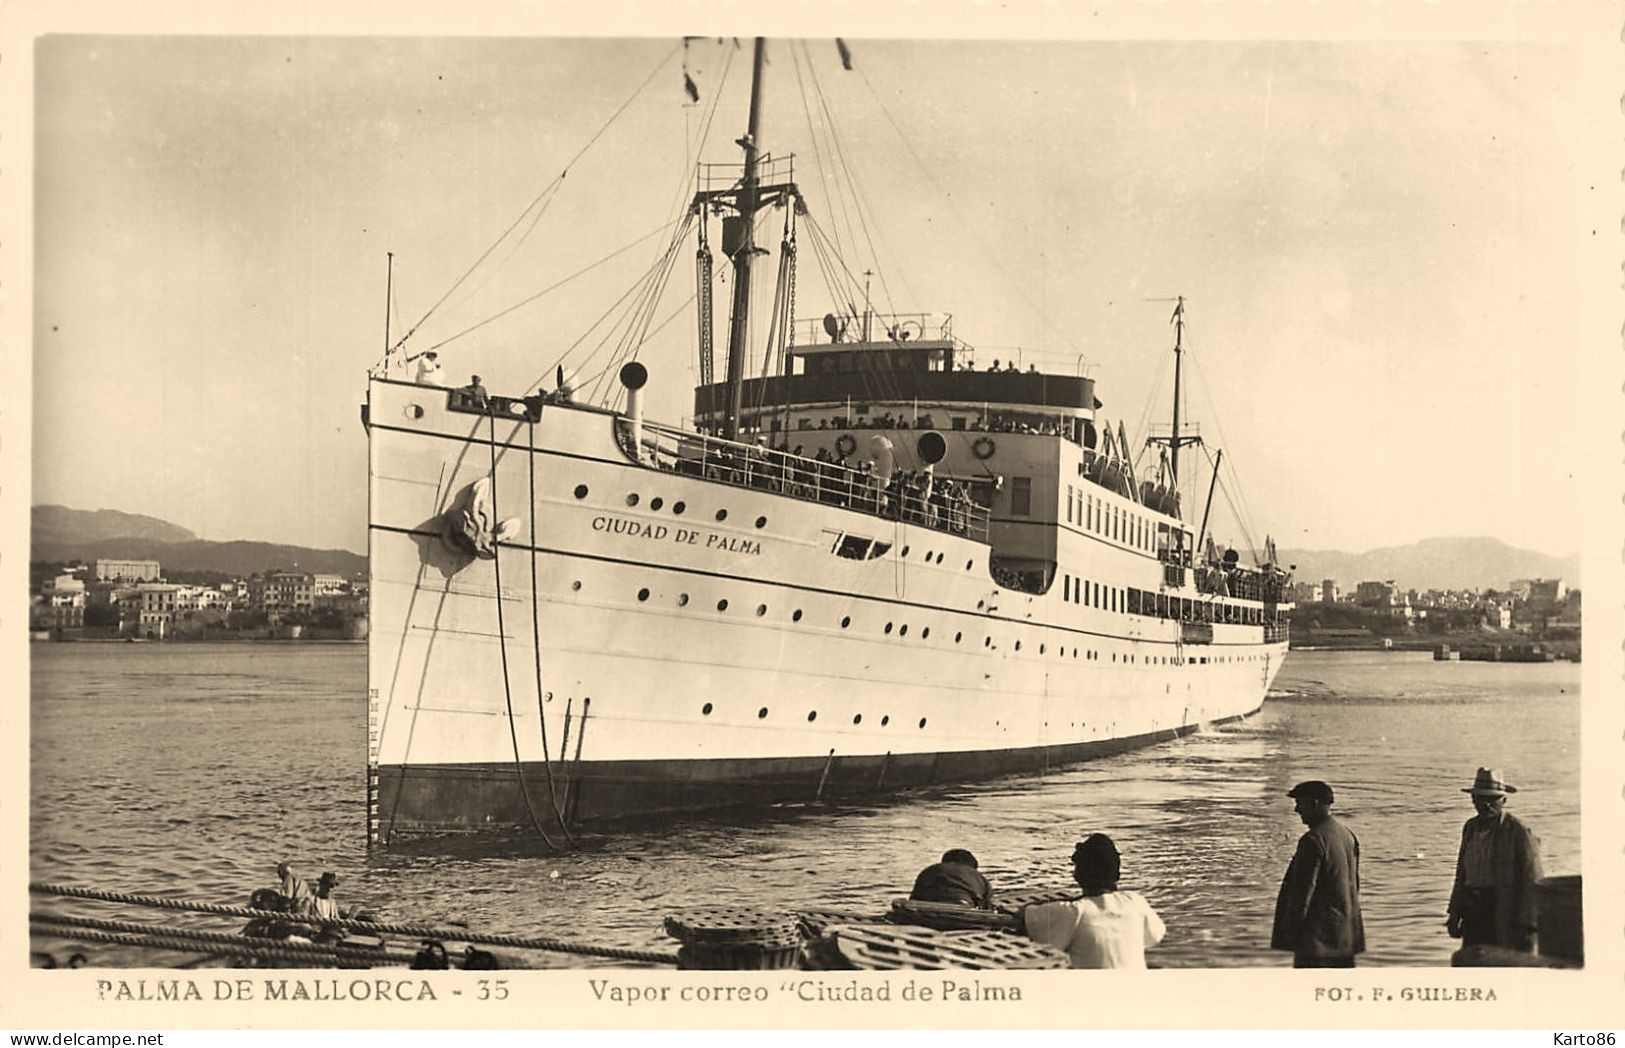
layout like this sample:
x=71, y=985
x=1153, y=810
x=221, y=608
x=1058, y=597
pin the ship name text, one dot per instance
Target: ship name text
x=710, y=540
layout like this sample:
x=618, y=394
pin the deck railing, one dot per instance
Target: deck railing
x=948, y=508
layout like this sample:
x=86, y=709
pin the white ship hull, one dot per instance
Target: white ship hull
x=674, y=661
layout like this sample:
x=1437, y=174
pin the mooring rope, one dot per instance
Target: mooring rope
x=168, y=941
x=235, y=942
x=418, y=931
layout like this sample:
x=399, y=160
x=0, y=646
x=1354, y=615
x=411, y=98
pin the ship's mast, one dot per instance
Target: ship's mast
x=748, y=204
x=744, y=198
x=1179, y=353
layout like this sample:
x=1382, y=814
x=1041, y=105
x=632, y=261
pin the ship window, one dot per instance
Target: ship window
x=797, y=616
x=1021, y=496
x=885, y=720
x=939, y=558
x=922, y=722
x=987, y=642
x=879, y=550
x=903, y=552
x=958, y=637
x=857, y=718
x=643, y=594
x=656, y=502
x=678, y=507
x=761, y=522
x=969, y=564
x=959, y=422
x=902, y=631
x=925, y=633
x=888, y=627
x=846, y=620
x=722, y=514
x=1069, y=503
x=761, y=713
x=761, y=609
x=853, y=547
x=1041, y=649
x=706, y=709
x=576, y=585
x=1018, y=645
x=632, y=499
x=581, y=491
x=682, y=599
x=812, y=715
x=722, y=605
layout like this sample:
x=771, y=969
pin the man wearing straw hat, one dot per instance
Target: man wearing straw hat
x=1493, y=901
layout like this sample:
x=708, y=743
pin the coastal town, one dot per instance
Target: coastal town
x=135, y=600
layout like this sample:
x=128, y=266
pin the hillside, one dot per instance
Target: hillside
x=1442, y=563
x=63, y=534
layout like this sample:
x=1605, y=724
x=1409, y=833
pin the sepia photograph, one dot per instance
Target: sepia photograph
x=888, y=512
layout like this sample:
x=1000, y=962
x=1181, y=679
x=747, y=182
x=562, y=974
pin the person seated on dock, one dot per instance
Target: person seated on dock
x=1106, y=928
x=955, y=879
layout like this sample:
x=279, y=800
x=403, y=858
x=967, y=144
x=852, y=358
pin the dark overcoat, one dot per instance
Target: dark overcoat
x=1317, y=913
x=1515, y=855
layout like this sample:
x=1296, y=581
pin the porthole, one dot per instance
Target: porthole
x=656, y=502
x=812, y=715
x=846, y=620
x=705, y=710
x=722, y=514
x=957, y=637
x=987, y=642
x=902, y=631
x=682, y=600
x=761, y=713
x=761, y=522
x=1041, y=649
x=885, y=720
x=922, y=722
x=632, y=499
x=939, y=558
x=722, y=605
x=903, y=552
x=1018, y=645
x=925, y=633
x=857, y=718
x=761, y=609
x=796, y=615
x=929, y=556
x=678, y=507
x=576, y=585
x=581, y=491
x=969, y=564
x=888, y=627
x=414, y=411
x=643, y=594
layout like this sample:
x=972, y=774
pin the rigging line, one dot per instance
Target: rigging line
x=613, y=307
x=812, y=131
x=551, y=193
x=638, y=288
x=502, y=637
x=637, y=318
x=673, y=315
x=1218, y=427
x=963, y=223
x=530, y=206
x=527, y=300
x=536, y=637
x=837, y=196
x=858, y=197
x=864, y=207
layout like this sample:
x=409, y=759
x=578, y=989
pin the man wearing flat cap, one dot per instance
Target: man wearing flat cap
x=1493, y=901
x=1317, y=913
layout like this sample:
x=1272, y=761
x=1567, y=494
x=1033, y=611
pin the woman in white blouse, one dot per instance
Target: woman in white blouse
x=1106, y=928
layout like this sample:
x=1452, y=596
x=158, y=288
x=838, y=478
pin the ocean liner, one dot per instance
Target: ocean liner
x=873, y=566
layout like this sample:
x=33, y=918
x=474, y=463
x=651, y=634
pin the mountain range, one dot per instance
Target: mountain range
x=64, y=534
x=1443, y=563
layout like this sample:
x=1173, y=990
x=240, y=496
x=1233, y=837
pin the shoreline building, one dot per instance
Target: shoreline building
x=109, y=570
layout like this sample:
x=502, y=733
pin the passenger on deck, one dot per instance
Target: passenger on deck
x=995, y=367
x=428, y=373
x=1106, y=928
x=955, y=879
x=476, y=393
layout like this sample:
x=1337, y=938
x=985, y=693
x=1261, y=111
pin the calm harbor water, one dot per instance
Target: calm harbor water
x=192, y=769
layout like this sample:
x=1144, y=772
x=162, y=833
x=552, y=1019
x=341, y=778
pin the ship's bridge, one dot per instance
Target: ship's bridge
x=904, y=365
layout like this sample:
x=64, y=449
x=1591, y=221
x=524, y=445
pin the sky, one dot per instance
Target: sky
x=1378, y=245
